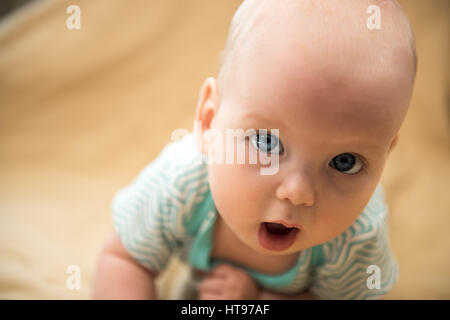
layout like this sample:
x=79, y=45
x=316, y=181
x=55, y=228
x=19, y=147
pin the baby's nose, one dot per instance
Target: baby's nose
x=298, y=189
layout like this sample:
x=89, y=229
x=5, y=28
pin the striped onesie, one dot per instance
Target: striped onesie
x=168, y=209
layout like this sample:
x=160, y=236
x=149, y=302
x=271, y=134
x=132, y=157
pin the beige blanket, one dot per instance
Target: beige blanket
x=82, y=111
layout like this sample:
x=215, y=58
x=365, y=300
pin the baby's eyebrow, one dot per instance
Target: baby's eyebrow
x=363, y=148
x=260, y=117
x=369, y=148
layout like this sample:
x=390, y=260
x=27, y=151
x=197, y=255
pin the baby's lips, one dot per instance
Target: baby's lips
x=277, y=241
x=287, y=224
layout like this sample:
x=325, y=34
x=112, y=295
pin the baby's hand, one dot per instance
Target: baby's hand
x=227, y=283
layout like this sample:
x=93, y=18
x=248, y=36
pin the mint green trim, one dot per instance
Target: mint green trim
x=199, y=255
x=276, y=281
x=317, y=256
x=199, y=213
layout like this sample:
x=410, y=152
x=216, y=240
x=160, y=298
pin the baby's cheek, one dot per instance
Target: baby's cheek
x=336, y=217
x=330, y=226
x=236, y=188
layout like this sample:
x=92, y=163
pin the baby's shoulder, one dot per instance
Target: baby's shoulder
x=184, y=171
x=367, y=232
x=171, y=186
x=373, y=220
x=179, y=164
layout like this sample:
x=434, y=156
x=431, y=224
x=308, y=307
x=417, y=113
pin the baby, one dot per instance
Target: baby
x=311, y=90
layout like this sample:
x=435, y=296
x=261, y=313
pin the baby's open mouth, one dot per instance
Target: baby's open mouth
x=276, y=236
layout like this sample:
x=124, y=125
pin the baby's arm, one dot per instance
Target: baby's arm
x=119, y=276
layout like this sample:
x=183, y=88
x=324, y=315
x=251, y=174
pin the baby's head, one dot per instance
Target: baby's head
x=336, y=90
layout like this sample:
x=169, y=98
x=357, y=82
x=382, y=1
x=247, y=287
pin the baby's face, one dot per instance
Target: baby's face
x=335, y=131
x=334, y=139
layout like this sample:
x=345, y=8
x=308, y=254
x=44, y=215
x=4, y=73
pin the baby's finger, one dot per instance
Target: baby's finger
x=223, y=270
x=211, y=285
x=209, y=296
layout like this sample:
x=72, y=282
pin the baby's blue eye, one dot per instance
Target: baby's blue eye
x=267, y=142
x=346, y=163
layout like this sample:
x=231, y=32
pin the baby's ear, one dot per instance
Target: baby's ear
x=207, y=106
x=394, y=143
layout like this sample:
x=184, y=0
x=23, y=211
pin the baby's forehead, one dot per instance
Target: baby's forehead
x=322, y=57
x=350, y=105
x=309, y=99
x=334, y=31
x=318, y=124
